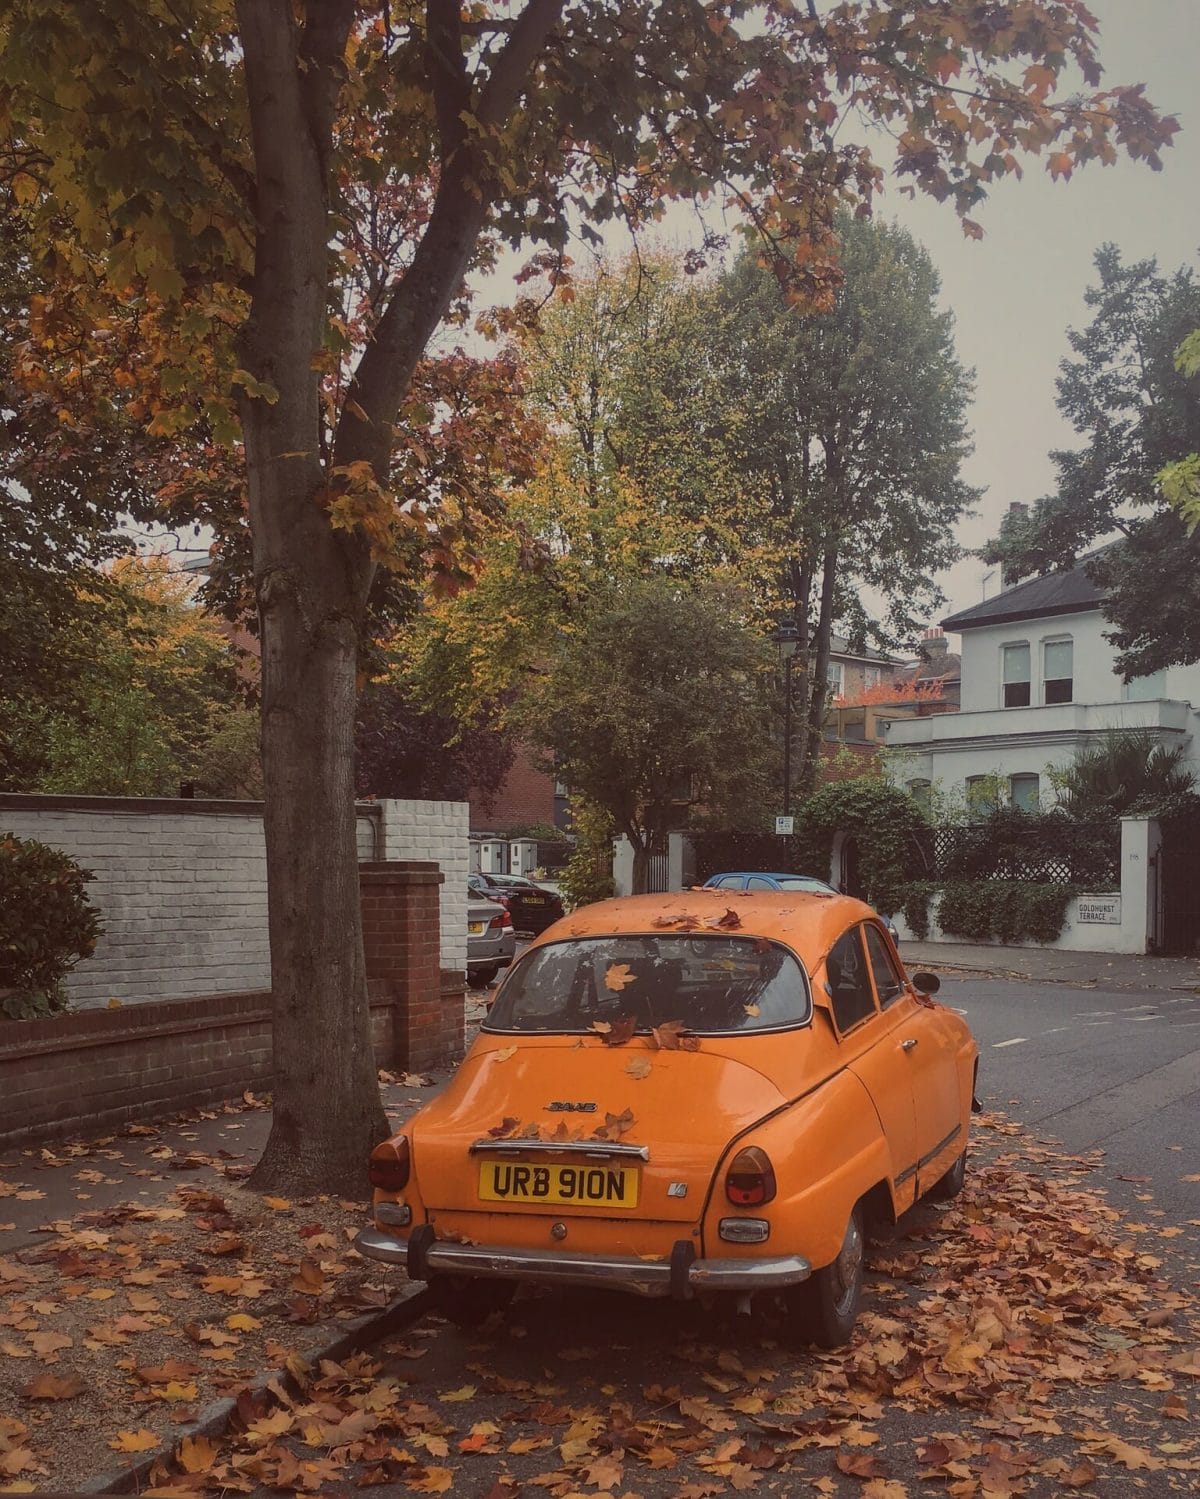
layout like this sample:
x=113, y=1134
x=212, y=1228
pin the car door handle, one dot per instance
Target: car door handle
x=909, y=1044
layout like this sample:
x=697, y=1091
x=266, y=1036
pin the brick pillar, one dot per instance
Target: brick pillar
x=402, y=948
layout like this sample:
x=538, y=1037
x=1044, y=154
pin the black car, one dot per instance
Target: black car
x=533, y=908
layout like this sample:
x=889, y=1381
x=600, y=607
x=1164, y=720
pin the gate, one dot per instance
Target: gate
x=658, y=875
x=1179, y=883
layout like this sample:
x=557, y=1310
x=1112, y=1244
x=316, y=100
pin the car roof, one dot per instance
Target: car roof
x=809, y=922
x=764, y=874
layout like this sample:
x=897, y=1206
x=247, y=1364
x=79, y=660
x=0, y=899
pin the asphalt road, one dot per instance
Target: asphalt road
x=1114, y=1071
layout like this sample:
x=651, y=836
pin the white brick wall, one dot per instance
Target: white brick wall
x=439, y=831
x=183, y=895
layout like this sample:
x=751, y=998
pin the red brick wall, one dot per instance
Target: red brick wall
x=526, y=796
x=98, y=1068
x=401, y=944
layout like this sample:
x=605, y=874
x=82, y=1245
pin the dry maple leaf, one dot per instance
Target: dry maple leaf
x=618, y=976
x=727, y=923
x=196, y=1454
x=620, y=1032
x=504, y=1053
x=310, y=1279
x=134, y=1441
x=614, y=1126
x=639, y=1067
x=53, y=1387
x=861, y=1465
x=507, y=1127
x=430, y=1480
x=671, y=1036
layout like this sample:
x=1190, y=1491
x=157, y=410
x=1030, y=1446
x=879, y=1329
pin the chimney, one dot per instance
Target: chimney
x=934, y=644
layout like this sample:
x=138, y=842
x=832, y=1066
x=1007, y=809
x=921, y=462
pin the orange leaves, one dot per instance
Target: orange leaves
x=618, y=977
x=134, y=1441
x=1060, y=164
x=618, y=1033
x=672, y=1036
x=53, y=1387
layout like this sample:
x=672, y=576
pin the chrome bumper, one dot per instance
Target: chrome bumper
x=619, y=1272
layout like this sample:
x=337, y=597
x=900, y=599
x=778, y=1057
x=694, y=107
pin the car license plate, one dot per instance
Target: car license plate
x=578, y=1186
x=535, y=900
x=474, y=928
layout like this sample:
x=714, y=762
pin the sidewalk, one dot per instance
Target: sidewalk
x=1048, y=965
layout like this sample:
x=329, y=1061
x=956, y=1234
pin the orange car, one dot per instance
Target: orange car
x=681, y=1094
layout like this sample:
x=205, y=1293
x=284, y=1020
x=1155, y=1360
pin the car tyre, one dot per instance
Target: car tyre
x=949, y=1186
x=483, y=978
x=824, y=1308
x=468, y=1301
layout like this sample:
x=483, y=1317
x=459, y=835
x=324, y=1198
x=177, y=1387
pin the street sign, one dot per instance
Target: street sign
x=784, y=825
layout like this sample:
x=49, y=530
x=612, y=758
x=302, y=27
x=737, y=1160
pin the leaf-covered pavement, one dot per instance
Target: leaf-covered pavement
x=1023, y=1341
x=163, y=1284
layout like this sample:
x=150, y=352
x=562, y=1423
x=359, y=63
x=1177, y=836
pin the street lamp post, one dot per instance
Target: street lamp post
x=786, y=639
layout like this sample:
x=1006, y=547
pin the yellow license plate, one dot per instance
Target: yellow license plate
x=575, y=1186
x=474, y=928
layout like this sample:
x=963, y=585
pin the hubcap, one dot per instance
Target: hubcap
x=847, y=1268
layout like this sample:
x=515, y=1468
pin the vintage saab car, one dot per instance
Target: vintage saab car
x=685, y=1094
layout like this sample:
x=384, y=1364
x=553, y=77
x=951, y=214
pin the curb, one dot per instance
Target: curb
x=412, y=1303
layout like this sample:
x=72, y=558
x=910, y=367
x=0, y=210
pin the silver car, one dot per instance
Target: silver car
x=491, y=941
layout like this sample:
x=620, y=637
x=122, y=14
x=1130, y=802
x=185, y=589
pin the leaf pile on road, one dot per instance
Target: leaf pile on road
x=1023, y=1341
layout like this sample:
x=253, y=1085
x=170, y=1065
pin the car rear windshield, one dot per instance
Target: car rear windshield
x=707, y=985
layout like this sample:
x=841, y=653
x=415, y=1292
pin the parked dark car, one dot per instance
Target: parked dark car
x=533, y=907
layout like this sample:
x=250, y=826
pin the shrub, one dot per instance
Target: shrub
x=47, y=924
x=915, y=908
x=1003, y=910
x=889, y=828
x=588, y=874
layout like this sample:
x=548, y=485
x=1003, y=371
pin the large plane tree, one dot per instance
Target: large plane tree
x=257, y=213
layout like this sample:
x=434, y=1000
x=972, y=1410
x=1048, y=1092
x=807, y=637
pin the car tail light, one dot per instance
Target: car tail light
x=502, y=920
x=750, y=1180
x=390, y=1165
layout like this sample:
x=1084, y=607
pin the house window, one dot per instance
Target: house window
x=872, y=676
x=1025, y=792
x=1016, y=675
x=835, y=674
x=981, y=795
x=1145, y=689
x=1057, y=671
x=919, y=792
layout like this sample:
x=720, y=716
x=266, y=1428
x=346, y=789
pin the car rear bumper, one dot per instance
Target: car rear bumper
x=681, y=1276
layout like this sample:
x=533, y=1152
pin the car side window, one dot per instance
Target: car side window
x=730, y=882
x=757, y=884
x=888, y=983
x=848, y=982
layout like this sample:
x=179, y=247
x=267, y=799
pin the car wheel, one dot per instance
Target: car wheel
x=824, y=1308
x=950, y=1185
x=467, y=1301
x=483, y=978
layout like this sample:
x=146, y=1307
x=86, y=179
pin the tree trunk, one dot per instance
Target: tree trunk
x=311, y=585
x=818, y=694
x=641, y=863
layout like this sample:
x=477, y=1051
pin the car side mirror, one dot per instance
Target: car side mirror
x=928, y=983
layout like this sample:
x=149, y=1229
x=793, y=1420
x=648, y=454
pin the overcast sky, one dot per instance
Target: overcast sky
x=1016, y=292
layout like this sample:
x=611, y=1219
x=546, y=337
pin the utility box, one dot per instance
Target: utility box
x=522, y=856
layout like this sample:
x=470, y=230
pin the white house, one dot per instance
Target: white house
x=1038, y=685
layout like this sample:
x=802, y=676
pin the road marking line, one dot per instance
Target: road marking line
x=1016, y=1041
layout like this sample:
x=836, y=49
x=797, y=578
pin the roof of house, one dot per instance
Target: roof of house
x=1056, y=593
